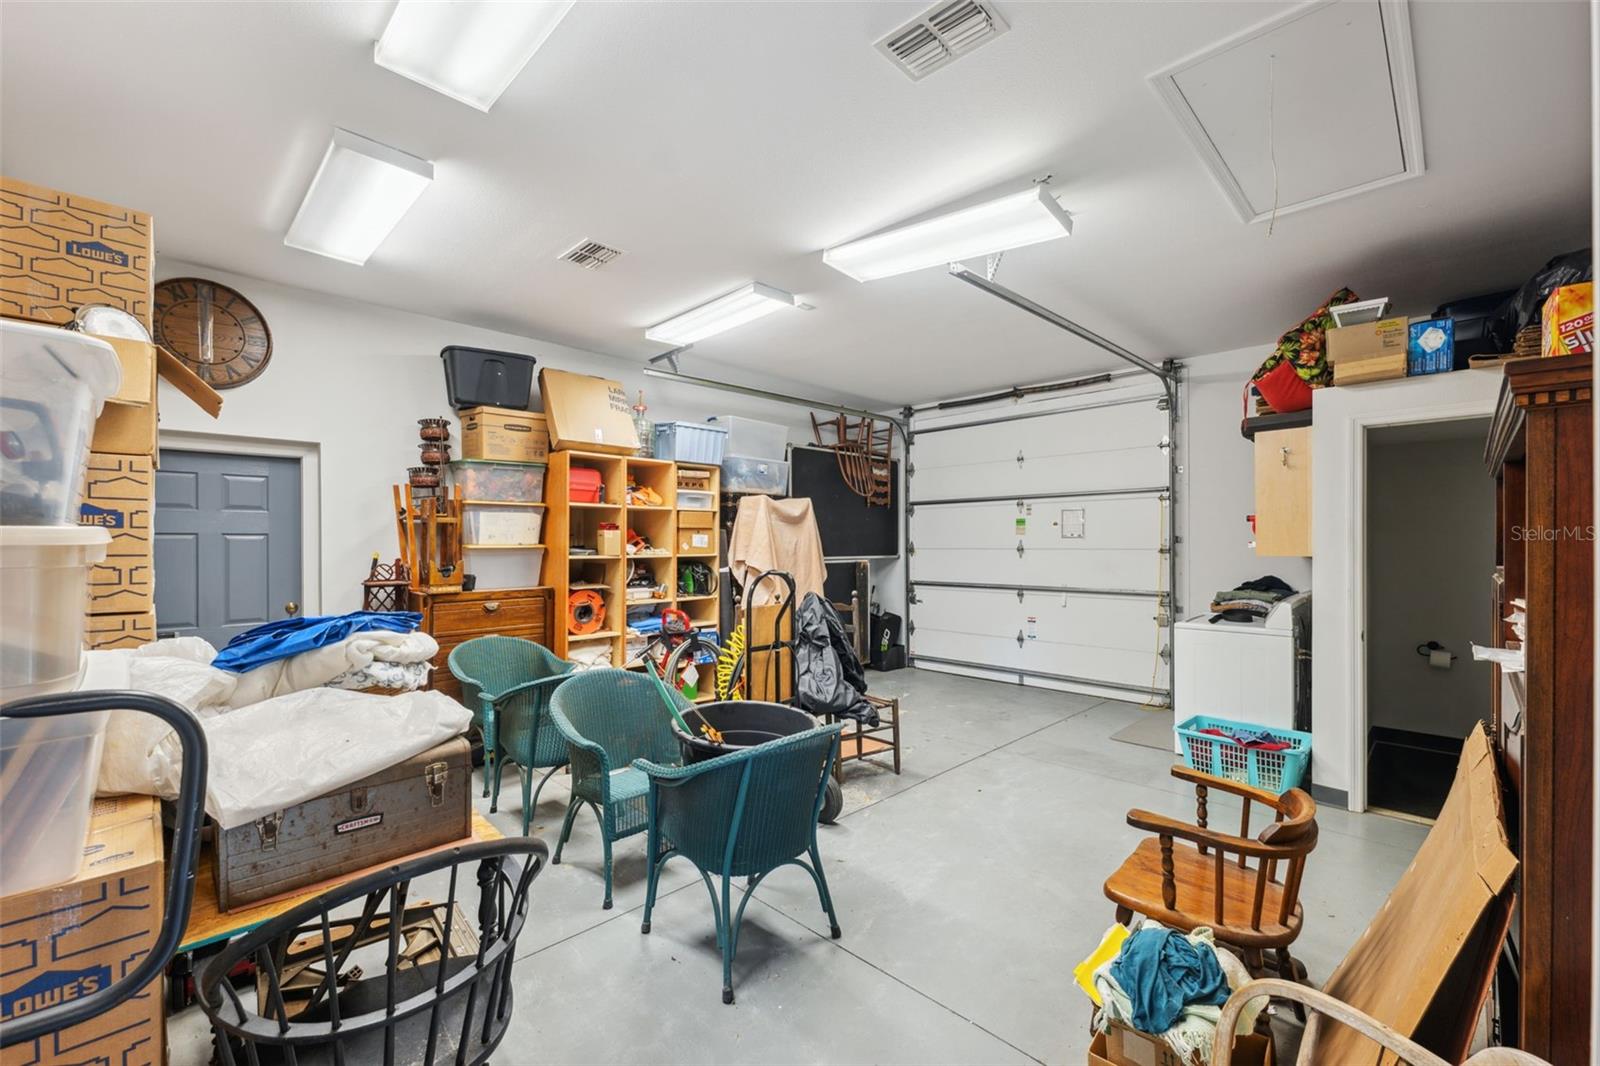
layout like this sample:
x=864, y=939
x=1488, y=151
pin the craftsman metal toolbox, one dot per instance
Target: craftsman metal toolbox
x=412, y=806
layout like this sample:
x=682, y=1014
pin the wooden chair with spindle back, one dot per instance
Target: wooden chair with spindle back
x=1246, y=889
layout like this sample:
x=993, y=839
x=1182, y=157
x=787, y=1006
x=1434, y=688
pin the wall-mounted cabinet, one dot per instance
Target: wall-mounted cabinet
x=1283, y=492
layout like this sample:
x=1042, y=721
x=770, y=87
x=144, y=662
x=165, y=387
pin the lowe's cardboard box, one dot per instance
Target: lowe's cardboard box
x=110, y=632
x=119, y=497
x=68, y=940
x=59, y=252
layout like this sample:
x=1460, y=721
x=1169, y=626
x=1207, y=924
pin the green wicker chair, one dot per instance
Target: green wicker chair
x=508, y=682
x=610, y=718
x=744, y=814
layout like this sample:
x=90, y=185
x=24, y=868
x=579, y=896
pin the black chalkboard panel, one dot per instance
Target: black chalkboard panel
x=850, y=529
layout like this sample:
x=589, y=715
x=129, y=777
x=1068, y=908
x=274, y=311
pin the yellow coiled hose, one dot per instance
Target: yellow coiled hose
x=728, y=662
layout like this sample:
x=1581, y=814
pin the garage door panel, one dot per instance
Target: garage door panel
x=1100, y=543
x=1144, y=467
x=1129, y=426
x=1065, y=523
x=1002, y=566
x=1107, y=638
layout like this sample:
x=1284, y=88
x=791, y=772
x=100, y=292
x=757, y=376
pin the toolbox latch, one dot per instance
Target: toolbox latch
x=360, y=799
x=267, y=829
x=436, y=774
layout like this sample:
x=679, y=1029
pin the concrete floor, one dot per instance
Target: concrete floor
x=967, y=887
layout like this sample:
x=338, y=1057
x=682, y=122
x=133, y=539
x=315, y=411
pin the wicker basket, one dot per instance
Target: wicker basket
x=1527, y=342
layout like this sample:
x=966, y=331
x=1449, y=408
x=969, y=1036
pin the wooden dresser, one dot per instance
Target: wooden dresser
x=454, y=617
x=1539, y=451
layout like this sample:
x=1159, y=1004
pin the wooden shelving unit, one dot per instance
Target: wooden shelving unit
x=569, y=525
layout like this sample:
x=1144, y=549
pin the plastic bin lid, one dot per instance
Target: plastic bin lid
x=33, y=546
x=493, y=462
x=30, y=351
x=52, y=536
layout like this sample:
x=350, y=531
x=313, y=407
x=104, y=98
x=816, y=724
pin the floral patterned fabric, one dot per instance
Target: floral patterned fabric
x=1303, y=346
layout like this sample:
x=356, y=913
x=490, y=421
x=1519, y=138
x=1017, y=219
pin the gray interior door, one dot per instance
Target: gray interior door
x=227, y=548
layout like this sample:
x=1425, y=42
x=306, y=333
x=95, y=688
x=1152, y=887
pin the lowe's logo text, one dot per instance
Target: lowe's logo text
x=100, y=253
x=50, y=988
x=90, y=515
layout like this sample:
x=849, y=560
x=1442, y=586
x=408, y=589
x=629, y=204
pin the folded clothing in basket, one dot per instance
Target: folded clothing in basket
x=1249, y=738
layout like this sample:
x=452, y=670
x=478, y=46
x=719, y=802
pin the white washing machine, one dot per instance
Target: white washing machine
x=1253, y=671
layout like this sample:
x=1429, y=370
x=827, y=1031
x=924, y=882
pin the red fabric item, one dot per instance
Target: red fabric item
x=1282, y=388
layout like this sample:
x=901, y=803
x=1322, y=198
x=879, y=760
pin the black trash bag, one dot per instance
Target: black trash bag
x=831, y=680
x=1525, y=307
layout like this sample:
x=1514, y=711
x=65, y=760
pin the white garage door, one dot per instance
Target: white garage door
x=1038, y=541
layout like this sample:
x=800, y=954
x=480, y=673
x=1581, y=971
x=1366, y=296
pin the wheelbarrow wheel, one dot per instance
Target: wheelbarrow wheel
x=832, y=801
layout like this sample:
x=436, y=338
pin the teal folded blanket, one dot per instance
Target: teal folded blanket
x=1162, y=972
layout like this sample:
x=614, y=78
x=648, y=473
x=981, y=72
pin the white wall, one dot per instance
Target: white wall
x=353, y=378
x=1341, y=417
x=1430, y=529
x=1219, y=484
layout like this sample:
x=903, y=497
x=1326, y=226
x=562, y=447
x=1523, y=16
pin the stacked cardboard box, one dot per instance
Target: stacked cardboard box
x=72, y=939
x=66, y=252
x=503, y=435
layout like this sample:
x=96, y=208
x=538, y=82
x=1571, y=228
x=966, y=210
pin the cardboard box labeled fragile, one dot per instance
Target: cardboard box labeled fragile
x=1370, y=351
x=72, y=939
x=128, y=423
x=504, y=435
x=1567, y=321
x=60, y=252
x=1121, y=1046
x=119, y=497
x=697, y=532
x=108, y=632
x=587, y=414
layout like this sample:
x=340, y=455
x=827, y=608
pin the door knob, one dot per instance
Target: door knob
x=291, y=608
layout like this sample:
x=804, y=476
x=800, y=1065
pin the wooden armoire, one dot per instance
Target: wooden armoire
x=1541, y=455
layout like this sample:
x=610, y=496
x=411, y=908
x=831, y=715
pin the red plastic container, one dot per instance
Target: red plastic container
x=585, y=485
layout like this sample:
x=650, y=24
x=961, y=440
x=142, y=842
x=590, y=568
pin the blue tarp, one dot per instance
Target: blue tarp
x=291, y=636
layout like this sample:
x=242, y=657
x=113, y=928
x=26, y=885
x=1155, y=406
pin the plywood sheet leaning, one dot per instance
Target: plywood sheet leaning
x=1423, y=964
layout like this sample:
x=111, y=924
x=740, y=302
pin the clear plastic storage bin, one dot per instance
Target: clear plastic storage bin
x=502, y=525
x=692, y=500
x=44, y=585
x=768, y=477
x=690, y=442
x=49, y=767
x=754, y=438
x=505, y=568
x=53, y=383
x=495, y=482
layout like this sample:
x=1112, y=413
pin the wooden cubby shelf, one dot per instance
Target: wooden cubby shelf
x=569, y=524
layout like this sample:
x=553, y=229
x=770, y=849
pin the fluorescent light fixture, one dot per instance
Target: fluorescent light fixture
x=470, y=50
x=725, y=312
x=360, y=193
x=996, y=226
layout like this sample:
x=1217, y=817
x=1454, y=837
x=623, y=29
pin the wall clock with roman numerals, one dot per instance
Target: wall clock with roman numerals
x=213, y=329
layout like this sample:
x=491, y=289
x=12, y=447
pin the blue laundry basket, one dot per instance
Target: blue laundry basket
x=1274, y=771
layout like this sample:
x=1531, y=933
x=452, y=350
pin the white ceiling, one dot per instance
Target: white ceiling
x=720, y=143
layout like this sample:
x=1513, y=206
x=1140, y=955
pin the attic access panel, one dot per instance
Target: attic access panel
x=1312, y=106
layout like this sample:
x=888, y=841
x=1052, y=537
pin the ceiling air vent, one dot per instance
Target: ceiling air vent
x=591, y=255
x=941, y=35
